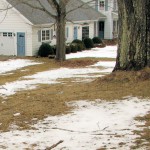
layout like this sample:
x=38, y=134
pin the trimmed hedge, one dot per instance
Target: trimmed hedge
x=97, y=40
x=45, y=50
x=77, y=41
x=79, y=44
x=88, y=43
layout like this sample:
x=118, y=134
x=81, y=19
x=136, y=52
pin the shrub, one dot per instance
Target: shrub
x=80, y=44
x=68, y=49
x=97, y=40
x=74, y=48
x=45, y=50
x=88, y=43
x=77, y=41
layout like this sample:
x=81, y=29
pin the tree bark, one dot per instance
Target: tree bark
x=134, y=35
x=61, y=40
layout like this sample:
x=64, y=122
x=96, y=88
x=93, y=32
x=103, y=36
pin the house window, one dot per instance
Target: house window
x=9, y=34
x=101, y=5
x=85, y=32
x=5, y=34
x=45, y=35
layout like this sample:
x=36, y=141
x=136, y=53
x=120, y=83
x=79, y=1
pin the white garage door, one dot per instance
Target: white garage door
x=7, y=45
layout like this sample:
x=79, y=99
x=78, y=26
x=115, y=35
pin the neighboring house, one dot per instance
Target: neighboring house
x=23, y=29
x=106, y=28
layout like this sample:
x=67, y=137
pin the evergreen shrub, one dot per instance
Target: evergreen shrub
x=97, y=40
x=88, y=43
x=79, y=44
x=45, y=50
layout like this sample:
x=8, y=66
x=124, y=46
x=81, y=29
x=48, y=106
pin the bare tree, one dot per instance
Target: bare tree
x=60, y=17
x=134, y=35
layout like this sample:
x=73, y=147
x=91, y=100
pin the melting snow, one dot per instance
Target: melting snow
x=14, y=64
x=16, y=114
x=106, y=52
x=91, y=125
x=52, y=76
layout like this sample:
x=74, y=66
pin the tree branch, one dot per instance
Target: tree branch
x=79, y=6
x=54, y=145
x=56, y=5
x=53, y=16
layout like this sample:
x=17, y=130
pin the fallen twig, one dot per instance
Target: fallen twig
x=105, y=128
x=77, y=131
x=55, y=145
x=69, y=130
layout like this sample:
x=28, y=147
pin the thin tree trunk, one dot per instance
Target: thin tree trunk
x=60, y=40
x=134, y=35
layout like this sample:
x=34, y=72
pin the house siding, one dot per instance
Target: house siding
x=35, y=39
x=110, y=6
x=12, y=21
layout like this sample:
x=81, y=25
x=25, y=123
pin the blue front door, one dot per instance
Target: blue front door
x=75, y=33
x=20, y=44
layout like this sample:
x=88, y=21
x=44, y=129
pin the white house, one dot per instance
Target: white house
x=106, y=28
x=23, y=29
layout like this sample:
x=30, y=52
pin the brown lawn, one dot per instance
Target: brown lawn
x=51, y=99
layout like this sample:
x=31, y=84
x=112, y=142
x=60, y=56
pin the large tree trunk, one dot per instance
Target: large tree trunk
x=60, y=37
x=134, y=35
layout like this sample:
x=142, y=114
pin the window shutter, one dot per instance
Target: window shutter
x=106, y=5
x=96, y=5
x=67, y=32
x=51, y=34
x=39, y=36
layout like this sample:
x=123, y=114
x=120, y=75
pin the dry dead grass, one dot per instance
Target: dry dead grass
x=144, y=139
x=45, y=100
x=51, y=99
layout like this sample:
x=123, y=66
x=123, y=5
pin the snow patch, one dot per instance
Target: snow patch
x=91, y=125
x=16, y=114
x=106, y=52
x=14, y=64
x=52, y=77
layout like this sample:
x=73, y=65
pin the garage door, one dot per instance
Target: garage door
x=7, y=45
